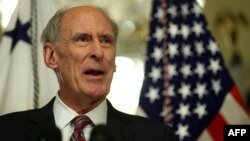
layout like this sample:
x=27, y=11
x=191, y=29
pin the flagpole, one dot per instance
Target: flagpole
x=34, y=54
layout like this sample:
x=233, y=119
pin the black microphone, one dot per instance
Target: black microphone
x=102, y=133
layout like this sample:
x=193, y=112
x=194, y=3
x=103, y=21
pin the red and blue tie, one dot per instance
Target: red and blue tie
x=79, y=123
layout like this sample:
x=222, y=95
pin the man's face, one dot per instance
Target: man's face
x=86, y=53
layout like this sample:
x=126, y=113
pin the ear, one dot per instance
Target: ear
x=50, y=56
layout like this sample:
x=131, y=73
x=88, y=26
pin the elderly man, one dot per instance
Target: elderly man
x=79, y=44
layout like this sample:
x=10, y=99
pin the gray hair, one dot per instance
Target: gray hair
x=51, y=31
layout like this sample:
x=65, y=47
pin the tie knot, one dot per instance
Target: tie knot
x=80, y=122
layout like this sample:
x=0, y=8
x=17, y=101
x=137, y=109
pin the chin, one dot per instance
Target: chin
x=97, y=98
x=96, y=93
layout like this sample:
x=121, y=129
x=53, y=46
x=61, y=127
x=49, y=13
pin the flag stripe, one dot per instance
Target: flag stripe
x=238, y=98
x=205, y=136
x=216, y=128
x=233, y=112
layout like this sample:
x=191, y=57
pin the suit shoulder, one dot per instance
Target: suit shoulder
x=126, y=118
x=137, y=124
x=33, y=113
x=135, y=118
x=140, y=121
x=15, y=116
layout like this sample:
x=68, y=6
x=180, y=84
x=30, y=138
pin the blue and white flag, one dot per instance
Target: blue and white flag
x=25, y=81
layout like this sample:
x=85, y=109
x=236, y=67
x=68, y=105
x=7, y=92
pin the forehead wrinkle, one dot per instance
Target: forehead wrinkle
x=76, y=13
x=72, y=16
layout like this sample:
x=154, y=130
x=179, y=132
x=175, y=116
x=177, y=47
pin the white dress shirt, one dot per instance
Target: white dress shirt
x=64, y=114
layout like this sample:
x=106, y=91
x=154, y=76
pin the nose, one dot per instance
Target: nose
x=96, y=50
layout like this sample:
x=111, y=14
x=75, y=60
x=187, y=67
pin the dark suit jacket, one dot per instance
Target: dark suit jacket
x=35, y=124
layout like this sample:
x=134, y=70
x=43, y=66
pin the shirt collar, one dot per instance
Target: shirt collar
x=99, y=114
x=64, y=114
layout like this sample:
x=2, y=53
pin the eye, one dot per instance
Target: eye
x=83, y=38
x=106, y=39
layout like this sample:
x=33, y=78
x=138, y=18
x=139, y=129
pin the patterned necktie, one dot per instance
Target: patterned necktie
x=79, y=123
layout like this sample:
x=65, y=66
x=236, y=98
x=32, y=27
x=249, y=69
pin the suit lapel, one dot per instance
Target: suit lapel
x=42, y=123
x=119, y=124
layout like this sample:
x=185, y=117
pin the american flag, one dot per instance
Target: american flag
x=186, y=82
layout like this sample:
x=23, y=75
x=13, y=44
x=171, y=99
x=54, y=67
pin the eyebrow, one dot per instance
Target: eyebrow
x=79, y=34
x=108, y=35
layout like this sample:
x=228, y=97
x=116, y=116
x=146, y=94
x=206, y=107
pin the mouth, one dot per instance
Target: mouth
x=94, y=74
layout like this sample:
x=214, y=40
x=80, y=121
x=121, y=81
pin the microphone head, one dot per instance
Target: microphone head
x=102, y=133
